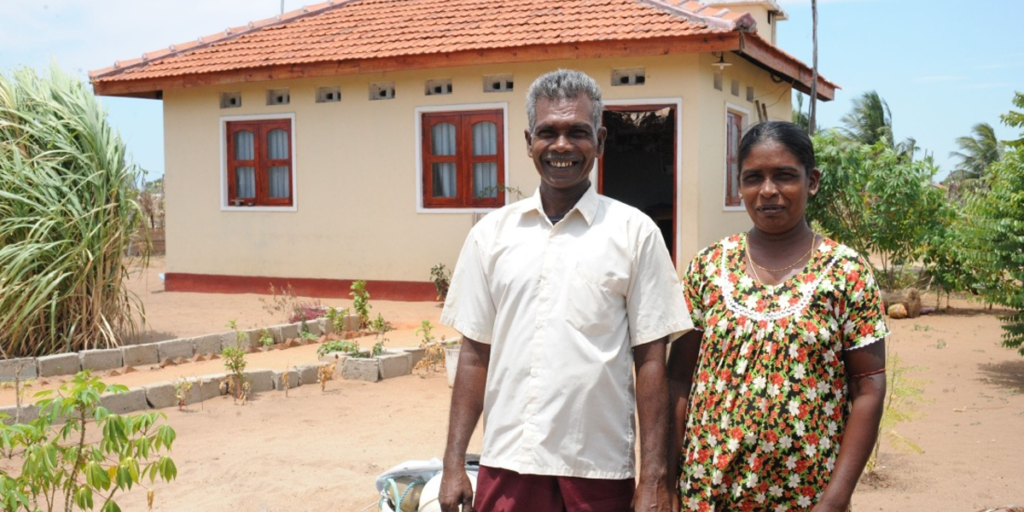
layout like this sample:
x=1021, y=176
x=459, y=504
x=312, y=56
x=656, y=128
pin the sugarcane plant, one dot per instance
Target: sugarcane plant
x=68, y=217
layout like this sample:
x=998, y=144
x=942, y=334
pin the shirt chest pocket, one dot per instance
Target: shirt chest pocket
x=596, y=300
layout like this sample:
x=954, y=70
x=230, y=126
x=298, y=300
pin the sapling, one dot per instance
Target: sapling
x=361, y=302
x=234, y=362
x=182, y=390
x=61, y=475
x=337, y=318
x=434, y=351
x=266, y=338
x=381, y=328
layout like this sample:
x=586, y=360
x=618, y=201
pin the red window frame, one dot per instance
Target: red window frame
x=261, y=162
x=463, y=159
x=732, y=151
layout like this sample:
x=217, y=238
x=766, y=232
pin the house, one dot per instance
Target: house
x=362, y=139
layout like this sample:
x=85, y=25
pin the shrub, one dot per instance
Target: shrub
x=67, y=215
x=61, y=470
x=874, y=200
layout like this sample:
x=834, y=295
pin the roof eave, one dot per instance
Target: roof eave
x=781, y=65
x=110, y=85
x=784, y=66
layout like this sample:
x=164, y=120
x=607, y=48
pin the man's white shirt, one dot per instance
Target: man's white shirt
x=562, y=307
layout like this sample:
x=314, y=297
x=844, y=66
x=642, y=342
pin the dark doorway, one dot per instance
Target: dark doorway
x=639, y=162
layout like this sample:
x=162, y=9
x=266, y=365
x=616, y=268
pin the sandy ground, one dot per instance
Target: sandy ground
x=315, y=450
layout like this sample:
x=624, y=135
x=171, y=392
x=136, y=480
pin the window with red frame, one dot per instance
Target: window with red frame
x=733, y=132
x=260, y=163
x=463, y=159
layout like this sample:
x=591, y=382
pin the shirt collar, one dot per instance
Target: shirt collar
x=587, y=205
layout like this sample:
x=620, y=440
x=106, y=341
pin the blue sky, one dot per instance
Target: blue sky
x=941, y=65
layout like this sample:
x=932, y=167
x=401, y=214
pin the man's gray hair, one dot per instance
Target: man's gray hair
x=564, y=84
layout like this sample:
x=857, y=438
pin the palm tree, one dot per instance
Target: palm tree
x=799, y=116
x=978, y=151
x=907, y=149
x=870, y=120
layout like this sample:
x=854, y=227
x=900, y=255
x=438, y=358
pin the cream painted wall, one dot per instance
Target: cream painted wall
x=707, y=121
x=759, y=9
x=356, y=214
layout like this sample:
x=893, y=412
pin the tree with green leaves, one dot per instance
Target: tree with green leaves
x=977, y=152
x=870, y=120
x=998, y=244
x=1015, y=119
x=875, y=201
x=800, y=117
x=67, y=219
x=64, y=467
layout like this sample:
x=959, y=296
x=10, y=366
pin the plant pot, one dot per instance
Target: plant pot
x=451, y=362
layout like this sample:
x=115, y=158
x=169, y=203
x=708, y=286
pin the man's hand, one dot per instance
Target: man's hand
x=654, y=492
x=655, y=495
x=455, y=490
x=467, y=404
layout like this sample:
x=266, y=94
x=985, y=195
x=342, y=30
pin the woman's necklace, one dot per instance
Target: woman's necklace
x=753, y=263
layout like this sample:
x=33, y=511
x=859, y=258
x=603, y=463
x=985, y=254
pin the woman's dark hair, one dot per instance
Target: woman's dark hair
x=791, y=136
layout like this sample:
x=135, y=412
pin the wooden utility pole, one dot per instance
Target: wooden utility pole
x=811, y=121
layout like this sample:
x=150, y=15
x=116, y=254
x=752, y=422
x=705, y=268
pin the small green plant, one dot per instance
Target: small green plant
x=381, y=328
x=902, y=396
x=266, y=338
x=337, y=318
x=442, y=280
x=304, y=332
x=940, y=344
x=60, y=475
x=425, y=332
x=920, y=327
x=182, y=390
x=361, y=302
x=349, y=347
x=234, y=362
x=433, y=357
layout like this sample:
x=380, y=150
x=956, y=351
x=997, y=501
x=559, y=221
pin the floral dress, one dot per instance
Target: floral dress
x=768, y=404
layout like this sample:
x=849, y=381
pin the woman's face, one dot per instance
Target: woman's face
x=775, y=187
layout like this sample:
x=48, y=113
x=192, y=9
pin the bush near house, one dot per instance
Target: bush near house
x=998, y=238
x=876, y=201
x=67, y=215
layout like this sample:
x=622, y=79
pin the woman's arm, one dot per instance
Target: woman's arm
x=867, y=392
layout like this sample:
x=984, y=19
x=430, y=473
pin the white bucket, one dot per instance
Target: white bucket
x=451, y=362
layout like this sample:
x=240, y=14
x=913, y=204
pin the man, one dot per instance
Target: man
x=555, y=296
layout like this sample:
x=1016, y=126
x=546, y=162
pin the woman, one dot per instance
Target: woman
x=778, y=393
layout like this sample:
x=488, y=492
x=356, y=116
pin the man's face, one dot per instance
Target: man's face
x=564, y=142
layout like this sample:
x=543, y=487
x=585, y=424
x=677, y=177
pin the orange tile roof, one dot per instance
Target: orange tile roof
x=362, y=30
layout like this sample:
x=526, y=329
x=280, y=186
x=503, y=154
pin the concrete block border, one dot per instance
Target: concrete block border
x=141, y=354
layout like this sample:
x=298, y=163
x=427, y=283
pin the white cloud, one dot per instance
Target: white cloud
x=940, y=78
x=989, y=85
x=83, y=35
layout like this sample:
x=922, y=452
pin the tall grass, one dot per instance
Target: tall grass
x=67, y=214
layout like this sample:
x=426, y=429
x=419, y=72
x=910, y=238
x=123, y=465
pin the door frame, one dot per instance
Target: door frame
x=650, y=104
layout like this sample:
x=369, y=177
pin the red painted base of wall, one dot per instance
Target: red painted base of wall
x=306, y=287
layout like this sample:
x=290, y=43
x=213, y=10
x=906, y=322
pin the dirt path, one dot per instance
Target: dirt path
x=322, y=450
